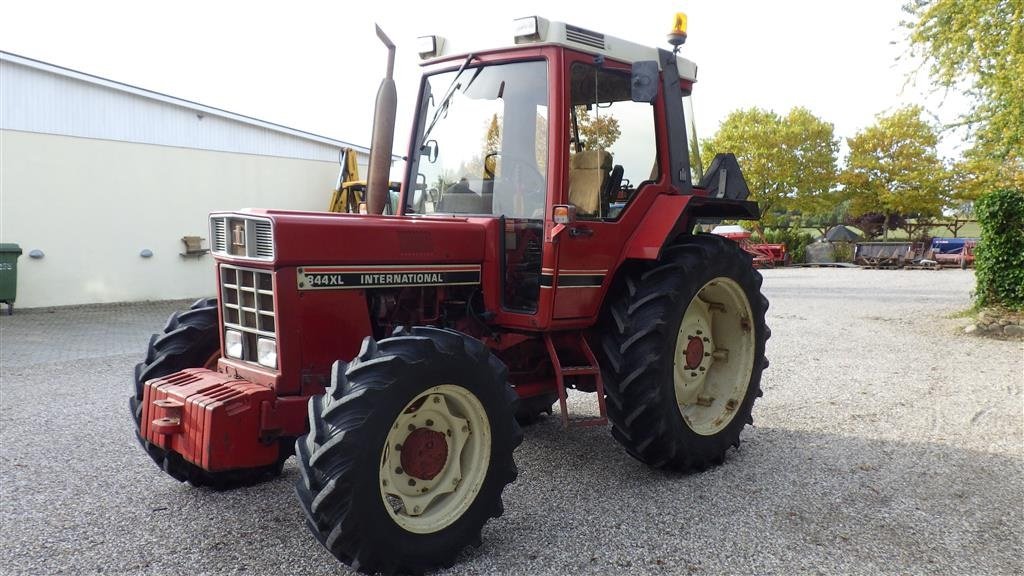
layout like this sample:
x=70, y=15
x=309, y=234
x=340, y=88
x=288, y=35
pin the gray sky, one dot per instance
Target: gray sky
x=316, y=65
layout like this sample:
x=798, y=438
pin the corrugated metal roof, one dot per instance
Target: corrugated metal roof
x=40, y=97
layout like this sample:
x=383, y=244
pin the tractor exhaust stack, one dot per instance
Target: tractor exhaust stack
x=383, y=138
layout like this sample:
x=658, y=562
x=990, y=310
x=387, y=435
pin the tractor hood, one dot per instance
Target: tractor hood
x=312, y=238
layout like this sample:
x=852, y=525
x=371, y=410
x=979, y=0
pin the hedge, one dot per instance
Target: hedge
x=999, y=257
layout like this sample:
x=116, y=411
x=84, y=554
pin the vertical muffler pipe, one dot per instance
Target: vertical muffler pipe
x=383, y=138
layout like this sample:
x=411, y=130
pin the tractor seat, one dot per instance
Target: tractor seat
x=588, y=172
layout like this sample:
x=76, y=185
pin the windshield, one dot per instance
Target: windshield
x=483, y=150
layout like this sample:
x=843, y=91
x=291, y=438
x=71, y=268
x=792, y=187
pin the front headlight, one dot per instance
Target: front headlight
x=266, y=352
x=233, y=344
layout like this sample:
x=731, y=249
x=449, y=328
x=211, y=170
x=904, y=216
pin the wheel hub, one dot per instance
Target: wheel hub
x=424, y=453
x=435, y=458
x=714, y=356
x=694, y=352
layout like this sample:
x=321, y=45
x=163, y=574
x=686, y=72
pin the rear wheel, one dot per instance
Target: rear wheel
x=408, y=451
x=191, y=339
x=685, y=351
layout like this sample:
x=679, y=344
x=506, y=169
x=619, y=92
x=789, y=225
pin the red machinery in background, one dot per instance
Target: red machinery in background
x=765, y=255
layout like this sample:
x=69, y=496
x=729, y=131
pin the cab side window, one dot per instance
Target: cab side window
x=612, y=145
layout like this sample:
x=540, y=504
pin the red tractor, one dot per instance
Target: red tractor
x=542, y=241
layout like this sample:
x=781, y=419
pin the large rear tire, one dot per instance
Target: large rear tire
x=685, y=350
x=191, y=339
x=408, y=451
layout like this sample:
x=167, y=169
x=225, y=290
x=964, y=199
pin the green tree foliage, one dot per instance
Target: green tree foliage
x=823, y=220
x=978, y=46
x=999, y=257
x=789, y=162
x=894, y=169
x=599, y=131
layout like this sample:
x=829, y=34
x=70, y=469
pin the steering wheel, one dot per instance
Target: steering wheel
x=524, y=178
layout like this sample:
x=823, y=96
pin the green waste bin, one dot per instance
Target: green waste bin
x=9, y=254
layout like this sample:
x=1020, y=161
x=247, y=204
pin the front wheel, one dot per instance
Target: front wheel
x=408, y=451
x=685, y=351
x=191, y=339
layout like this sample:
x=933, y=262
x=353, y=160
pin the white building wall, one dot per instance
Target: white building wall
x=93, y=172
x=38, y=97
x=93, y=205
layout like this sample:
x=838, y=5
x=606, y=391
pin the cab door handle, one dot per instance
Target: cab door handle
x=580, y=231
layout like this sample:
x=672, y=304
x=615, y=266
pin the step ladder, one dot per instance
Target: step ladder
x=591, y=370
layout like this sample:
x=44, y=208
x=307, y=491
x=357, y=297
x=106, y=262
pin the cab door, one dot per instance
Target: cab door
x=611, y=159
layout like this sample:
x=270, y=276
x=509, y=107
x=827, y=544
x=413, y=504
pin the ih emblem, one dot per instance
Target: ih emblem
x=238, y=238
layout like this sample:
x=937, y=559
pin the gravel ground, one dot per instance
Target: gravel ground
x=885, y=443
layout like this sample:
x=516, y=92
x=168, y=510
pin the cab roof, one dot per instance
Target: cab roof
x=543, y=32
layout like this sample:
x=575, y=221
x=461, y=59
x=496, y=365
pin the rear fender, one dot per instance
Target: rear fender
x=673, y=214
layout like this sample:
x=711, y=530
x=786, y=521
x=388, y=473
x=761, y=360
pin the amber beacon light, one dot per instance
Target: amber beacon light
x=678, y=34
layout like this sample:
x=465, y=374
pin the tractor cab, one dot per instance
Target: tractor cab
x=562, y=137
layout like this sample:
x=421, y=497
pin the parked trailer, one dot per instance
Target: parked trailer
x=886, y=254
x=953, y=251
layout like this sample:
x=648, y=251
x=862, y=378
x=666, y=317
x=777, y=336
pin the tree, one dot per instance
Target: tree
x=492, y=144
x=814, y=148
x=789, y=162
x=894, y=169
x=977, y=46
x=598, y=132
x=824, y=220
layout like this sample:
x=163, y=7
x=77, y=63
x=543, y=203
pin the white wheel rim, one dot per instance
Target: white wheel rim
x=432, y=487
x=714, y=356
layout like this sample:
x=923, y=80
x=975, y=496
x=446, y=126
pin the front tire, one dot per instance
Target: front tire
x=191, y=339
x=685, y=352
x=408, y=451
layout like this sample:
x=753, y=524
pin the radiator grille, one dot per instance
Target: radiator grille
x=264, y=239
x=242, y=237
x=219, y=229
x=585, y=37
x=247, y=298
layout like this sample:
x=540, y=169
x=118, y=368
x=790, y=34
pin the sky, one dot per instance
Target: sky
x=316, y=65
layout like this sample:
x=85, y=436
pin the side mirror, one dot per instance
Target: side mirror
x=644, y=81
x=429, y=149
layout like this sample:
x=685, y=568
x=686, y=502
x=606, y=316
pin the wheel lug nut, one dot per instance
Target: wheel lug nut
x=399, y=470
x=436, y=400
x=412, y=427
x=424, y=490
x=701, y=368
x=430, y=422
x=412, y=482
x=398, y=447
